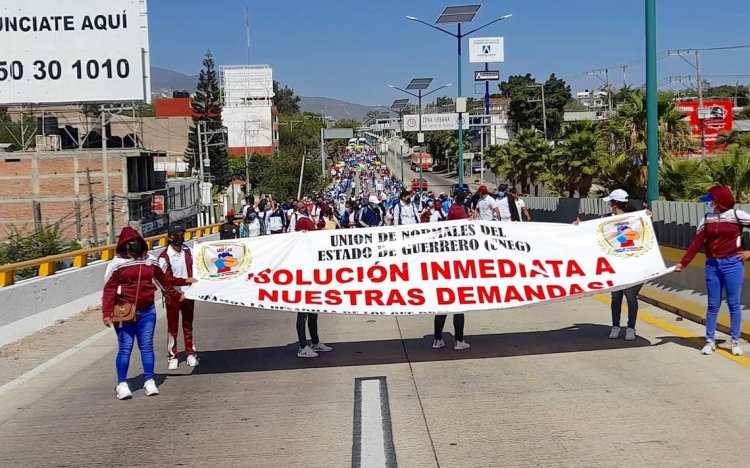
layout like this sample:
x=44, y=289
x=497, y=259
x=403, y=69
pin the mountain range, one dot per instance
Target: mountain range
x=164, y=82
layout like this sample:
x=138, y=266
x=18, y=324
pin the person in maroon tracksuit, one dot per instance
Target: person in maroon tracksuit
x=130, y=278
x=456, y=211
x=177, y=259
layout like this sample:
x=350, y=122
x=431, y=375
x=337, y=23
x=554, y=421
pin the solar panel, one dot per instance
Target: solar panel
x=458, y=14
x=384, y=115
x=452, y=10
x=399, y=104
x=419, y=83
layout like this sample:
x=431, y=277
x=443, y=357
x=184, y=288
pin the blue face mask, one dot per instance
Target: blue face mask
x=709, y=207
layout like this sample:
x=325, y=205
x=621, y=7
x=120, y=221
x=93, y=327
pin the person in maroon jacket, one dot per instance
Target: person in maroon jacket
x=304, y=224
x=177, y=259
x=456, y=211
x=720, y=233
x=130, y=278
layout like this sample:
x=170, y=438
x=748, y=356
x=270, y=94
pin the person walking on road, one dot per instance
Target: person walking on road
x=513, y=208
x=229, y=230
x=487, y=209
x=720, y=234
x=177, y=260
x=619, y=203
x=129, y=281
x=370, y=215
x=304, y=224
x=405, y=212
x=276, y=221
x=457, y=211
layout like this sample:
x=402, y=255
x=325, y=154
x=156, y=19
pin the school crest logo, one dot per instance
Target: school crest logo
x=626, y=237
x=223, y=260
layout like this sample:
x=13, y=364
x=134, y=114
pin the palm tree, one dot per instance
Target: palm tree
x=579, y=158
x=732, y=169
x=733, y=139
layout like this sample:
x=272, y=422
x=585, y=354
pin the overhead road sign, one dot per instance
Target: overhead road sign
x=431, y=122
x=489, y=75
x=82, y=51
x=486, y=50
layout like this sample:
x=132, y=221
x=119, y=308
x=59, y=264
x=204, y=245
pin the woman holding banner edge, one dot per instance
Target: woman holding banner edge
x=720, y=233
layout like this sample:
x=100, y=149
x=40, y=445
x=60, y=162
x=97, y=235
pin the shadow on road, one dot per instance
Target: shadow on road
x=576, y=338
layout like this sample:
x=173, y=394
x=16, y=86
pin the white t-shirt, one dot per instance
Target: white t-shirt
x=405, y=214
x=486, y=207
x=505, y=209
x=436, y=216
x=253, y=229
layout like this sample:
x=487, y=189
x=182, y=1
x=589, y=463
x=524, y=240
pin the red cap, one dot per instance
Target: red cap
x=230, y=214
x=482, y=189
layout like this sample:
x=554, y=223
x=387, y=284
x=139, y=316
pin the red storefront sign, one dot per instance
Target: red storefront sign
x=157, y=204
x=716, y=118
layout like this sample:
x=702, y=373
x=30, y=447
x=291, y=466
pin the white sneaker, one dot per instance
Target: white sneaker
x=709, y=348
x=437, y=344
x=192, y=360
x=461, y=345
x=306, y=352
x=150, y=388
x=629, y=334
x=614, y=333
x=123, y=391
x=321, y=347
x=173, y=364
x=736, y=350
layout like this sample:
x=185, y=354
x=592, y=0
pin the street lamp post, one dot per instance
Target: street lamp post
x=459, y=15
x=652, y=117
x=420, y=84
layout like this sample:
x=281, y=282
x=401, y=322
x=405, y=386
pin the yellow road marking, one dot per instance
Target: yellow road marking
x=681, y=332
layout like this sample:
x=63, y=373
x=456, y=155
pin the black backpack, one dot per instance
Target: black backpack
x=229, y=231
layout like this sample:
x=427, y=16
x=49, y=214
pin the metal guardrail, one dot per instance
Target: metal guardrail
x=47, y=266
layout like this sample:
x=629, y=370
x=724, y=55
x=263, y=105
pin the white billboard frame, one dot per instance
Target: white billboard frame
x=246, y=85
x=486, y=50
x=74, y=52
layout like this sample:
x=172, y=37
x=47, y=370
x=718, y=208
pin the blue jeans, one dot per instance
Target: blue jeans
x=631, y=295
x=724, y=274
x=142, y=330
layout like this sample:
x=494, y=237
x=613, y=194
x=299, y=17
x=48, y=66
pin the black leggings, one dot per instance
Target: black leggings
x=631, y=295
x=312, y=324
x=458, y=326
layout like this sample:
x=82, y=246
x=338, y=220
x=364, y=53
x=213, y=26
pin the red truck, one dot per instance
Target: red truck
x=424, y=158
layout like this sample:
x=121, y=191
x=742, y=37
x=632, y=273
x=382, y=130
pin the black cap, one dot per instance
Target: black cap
x=176, y=229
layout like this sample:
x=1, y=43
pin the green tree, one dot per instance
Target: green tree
x=285, y=100
x=523, y=161
x=731, y=168
x=733, y=139
x=681, y=179
x=207, y=108
x=522, y=89
x=20, y=248
x=578, y=159
x=281, y=175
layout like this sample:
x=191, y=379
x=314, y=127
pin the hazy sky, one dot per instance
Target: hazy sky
x=351, y=50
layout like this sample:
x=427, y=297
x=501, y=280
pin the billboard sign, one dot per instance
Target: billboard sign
x=73, y=51
x=486, y=50
x=487, y=75
x=714, y=116
x=431, y=122
x=157, y=204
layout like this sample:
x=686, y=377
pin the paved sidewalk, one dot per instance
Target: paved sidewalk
x=541, y=386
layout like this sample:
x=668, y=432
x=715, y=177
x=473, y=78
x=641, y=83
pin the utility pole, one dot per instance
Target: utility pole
x=323, y=152
x=700, y=99
x=301, y=175
x=79, y=228
x=544, y=107
x=37, y=216
x=605, y=80
x=247, y=169
x=201, y=214
x=105, y=176
x=92, y=211
x=698, y=76
x=111, y=233
x=652, y=104
x=624, y=69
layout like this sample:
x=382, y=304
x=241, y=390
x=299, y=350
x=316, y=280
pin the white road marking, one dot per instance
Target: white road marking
x=372, y=439
x=18, y=381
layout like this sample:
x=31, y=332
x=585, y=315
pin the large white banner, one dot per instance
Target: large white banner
x=73, y=51
x=486, y=50
x=452, y=266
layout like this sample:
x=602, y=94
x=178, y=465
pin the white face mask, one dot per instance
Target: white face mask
x=709, y=207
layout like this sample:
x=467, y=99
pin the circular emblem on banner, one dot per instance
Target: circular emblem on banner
x=626, y=237
x=223, y=261
x=411, y=123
